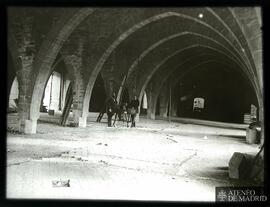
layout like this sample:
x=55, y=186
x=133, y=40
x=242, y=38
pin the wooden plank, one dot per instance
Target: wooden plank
x=68, y=103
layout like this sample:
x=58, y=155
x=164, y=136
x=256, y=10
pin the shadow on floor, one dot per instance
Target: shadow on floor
x=222, y=174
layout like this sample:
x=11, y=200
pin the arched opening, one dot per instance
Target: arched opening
x=49, y=51
x=227, y=94
x=11, y=74
x=13, y=97
x=158, y=21
x=98, y=97
x=55, y=92
x=51, y=97
x=57, y=95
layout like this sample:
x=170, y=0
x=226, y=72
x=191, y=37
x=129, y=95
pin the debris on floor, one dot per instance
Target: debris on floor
x=171, y=139
x=205, y=137
x=61, y=183
x=37, y=157
x=19, y=162
x=102, y=161
x=71, y=124
x=79, y=159
x=101, y=144
x=13, y=131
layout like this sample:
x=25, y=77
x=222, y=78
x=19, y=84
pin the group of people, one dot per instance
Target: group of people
x=125, y=112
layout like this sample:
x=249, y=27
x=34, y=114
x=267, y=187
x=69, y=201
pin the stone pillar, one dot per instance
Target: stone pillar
x=111, y=78
x=25, y=99
x=151, y=102
x=78, y=95
x=26, y=51
x=261, y=119
x=76, y=62
x=174, y=105
x=164, y=100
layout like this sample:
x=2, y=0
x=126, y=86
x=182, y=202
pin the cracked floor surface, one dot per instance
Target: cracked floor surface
x=155, y=161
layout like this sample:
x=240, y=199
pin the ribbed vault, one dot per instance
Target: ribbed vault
x=133, y=47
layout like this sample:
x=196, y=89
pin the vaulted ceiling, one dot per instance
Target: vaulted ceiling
x=141, y=44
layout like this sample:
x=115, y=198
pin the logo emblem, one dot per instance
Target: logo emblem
x=222, y=195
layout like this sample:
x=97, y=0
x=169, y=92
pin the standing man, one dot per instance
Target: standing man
x=134, y=109
x=111, y=108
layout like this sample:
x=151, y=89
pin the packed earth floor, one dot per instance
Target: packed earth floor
x=157, y=160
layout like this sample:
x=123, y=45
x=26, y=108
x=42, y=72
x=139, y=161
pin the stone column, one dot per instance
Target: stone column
x=26, y=51
x=164, y=100
x=261, y=119
x=78, y=95
x=111, y=77
x=78, y=83
x=151, y=102
x=174, y=104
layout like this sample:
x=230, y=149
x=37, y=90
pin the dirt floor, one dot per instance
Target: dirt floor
x=157, y=160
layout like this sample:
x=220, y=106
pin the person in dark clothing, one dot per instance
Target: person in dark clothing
x=119, y=113
x=134, y=108
x=111, y=105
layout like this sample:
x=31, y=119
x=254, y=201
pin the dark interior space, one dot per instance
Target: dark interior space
x=125, y=96
x=61, y=68
x=227, y=94
x=158, y=107
x=98, y=97
x=168, y=109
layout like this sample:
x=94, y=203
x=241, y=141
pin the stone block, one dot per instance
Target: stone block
x=235, y=165
x=82, y=121
x=164, y=114
x=252, y=136
x=257, y=171
x=30, y=126
x=241, y=166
